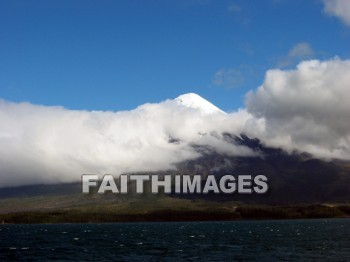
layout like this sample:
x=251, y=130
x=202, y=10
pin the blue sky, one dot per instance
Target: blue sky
x=116, y=55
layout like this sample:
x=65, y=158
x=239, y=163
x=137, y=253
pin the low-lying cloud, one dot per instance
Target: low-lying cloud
x=305, y=109
x=40, y=144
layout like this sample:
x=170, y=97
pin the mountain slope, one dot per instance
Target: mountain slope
x=293, y=178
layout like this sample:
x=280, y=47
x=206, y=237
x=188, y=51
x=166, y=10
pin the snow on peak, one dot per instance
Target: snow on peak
x=195, y=101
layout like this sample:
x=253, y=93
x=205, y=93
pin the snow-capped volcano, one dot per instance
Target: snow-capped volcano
x=195, y=101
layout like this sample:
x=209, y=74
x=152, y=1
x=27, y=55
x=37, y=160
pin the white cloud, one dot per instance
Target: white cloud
x=307, y=108
x=338, y=8
x=40, y=144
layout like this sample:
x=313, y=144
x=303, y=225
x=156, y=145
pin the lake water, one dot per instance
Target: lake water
x=325, y=239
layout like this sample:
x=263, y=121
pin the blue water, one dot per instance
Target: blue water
x=327, y=239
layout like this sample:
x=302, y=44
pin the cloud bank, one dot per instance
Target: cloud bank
x=305, y=109
x=40, y=144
